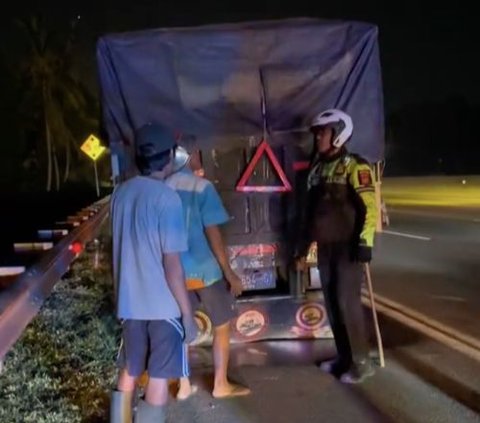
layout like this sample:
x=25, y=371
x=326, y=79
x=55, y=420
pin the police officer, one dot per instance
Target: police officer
x=341, y=218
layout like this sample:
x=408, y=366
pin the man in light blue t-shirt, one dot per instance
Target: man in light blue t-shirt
x=207, y=267
x=152, y=301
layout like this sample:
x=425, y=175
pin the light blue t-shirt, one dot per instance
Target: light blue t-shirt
x=202, y=207
x=147, y=222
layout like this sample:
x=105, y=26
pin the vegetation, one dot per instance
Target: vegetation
x=62, y=369
x=55, y=111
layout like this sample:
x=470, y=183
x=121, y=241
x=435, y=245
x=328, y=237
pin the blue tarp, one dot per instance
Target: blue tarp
x=209, y=80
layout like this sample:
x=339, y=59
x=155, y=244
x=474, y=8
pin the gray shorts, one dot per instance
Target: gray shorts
x=217, y=301
x=156, y=346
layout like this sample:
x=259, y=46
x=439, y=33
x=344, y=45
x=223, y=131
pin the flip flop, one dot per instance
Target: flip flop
x=237, y=391
x=192, y=392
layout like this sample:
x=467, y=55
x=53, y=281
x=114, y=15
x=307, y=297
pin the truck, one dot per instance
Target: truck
x=247, y=92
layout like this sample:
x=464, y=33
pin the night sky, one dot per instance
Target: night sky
x=427, y=53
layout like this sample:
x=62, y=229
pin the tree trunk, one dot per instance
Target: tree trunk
x=67, y=162
x=57, y=172
x=48, y=140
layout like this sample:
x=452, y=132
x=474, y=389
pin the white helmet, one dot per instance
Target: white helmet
x=181, y=159
x=186, y=144
x=339, y=121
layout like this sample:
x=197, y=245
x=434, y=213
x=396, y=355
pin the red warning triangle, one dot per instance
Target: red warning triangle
x=263, y=147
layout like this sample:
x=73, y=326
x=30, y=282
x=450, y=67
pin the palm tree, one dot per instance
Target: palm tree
x=53, y=87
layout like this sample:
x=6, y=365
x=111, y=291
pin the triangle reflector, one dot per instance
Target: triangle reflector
x=242, y=183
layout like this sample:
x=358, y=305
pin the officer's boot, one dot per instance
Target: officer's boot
x=359, y=371
x=335, y=367
x=121, y=407
x=147, y=413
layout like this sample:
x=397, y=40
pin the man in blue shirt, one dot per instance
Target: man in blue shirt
x=207, y=266
x=152, y=301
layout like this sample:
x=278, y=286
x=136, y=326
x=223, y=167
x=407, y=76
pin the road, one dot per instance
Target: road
x=429, y=260
x=287, y=387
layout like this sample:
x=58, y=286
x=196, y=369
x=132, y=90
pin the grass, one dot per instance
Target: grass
x=62, y=369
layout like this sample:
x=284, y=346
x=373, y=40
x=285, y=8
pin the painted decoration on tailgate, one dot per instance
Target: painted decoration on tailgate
x=251, y=323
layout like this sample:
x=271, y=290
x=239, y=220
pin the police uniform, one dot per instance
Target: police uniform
x=341, y=219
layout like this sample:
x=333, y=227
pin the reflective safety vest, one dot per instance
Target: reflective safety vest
x=341, y=201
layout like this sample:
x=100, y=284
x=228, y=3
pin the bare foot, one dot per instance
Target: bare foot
x=231, y=390
x=186, y=392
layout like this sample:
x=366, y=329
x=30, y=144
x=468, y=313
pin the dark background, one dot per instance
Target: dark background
x=429, y=61
x=430, y=73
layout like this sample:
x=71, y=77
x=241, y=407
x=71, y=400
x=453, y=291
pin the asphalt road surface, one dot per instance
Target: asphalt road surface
x=287, y=387
x=428, y=259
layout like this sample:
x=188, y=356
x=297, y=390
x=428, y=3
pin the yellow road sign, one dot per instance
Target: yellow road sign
x=92, y=147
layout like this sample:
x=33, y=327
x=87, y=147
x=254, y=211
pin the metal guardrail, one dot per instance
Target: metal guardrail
x=23, y=299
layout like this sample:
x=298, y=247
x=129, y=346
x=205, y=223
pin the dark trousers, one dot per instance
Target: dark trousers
x=341, y=282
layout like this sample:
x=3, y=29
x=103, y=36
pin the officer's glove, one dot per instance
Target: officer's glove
x=364, y=253
x=191, y=329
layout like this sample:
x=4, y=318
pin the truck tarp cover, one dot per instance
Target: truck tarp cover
x=208, y=80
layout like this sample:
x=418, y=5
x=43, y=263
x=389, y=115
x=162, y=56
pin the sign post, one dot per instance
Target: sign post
x=96, y=178
x=94, y=149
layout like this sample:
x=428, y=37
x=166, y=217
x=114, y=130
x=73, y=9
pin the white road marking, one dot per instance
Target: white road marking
x=257, y=352
x=11, y=270
x=436, y=214
x=453, y=337
x=449, y=298
x=421, y=238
